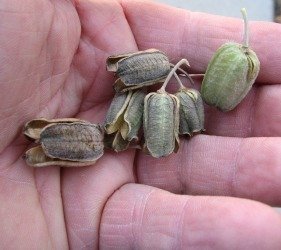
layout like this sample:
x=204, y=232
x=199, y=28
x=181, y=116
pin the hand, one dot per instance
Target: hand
x=52, y=64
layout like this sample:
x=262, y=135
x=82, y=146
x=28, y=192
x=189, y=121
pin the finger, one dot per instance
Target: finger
x=85, y=192
x=209, y=165
x=257, y=115
x=30, y=205
x=195, y=36
x=143, y=217
x=105, y=32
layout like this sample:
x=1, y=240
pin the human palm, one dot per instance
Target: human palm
x=53, y=65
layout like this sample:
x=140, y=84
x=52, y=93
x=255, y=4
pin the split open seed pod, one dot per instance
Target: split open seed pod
x=133, y=116
x=115, y=114
x=136, y=70
x=124, y=118
x=63, y=142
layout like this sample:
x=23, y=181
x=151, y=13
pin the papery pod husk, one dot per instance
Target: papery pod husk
x=115, y=114
x=33, y=128
x=136, y=70
x=108, y=140
x=133, y=116
x=116, y=142
x=36, y=157
x=119, y=144
x=161, y=124
x=191, y=111
x=229, y=76
x=76, y=143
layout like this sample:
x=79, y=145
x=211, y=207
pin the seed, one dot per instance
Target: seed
x=231, y=73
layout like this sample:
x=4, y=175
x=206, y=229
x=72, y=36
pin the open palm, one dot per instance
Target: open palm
x=52, y=64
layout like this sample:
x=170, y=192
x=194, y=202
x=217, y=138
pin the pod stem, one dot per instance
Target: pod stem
x=189, y=76
x=173, y=72
x=246, y=28
x=179, y=81
x=196, y=75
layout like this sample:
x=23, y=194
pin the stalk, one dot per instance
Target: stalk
x=246, y=28
x=173, y=72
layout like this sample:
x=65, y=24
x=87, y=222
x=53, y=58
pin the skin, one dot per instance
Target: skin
x=52, y=64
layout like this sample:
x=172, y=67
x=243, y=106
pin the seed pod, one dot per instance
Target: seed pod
x=124, y=119
x=191, y=111
x=125, y=114
x=230, y=74
x=115, y=115
x=136, y=70
x=161, y=124
x=133, y=116
x=76, y=143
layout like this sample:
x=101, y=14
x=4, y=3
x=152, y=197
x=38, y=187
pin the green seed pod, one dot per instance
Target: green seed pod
x=136, y=70
x=230, y=74
x=191, y=111
x=161, y=124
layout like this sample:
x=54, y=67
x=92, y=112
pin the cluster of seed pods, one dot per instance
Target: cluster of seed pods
x=161, y=115
x=229, y=77
x=136, y=112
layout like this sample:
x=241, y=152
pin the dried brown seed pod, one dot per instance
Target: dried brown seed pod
x=191, y=111
x=230, y=74
x=117, y=143
x=161, y=124
x=124, y=119
x=133, y=116
x=115, y=114
x=136, y=70
x=64, y=142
